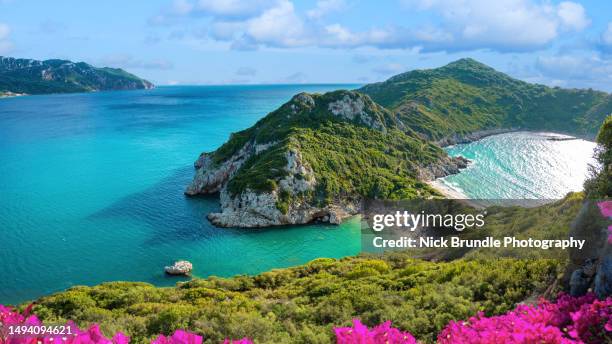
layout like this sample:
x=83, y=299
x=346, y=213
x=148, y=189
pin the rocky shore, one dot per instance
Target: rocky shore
x=294, y=198
x=473, y=136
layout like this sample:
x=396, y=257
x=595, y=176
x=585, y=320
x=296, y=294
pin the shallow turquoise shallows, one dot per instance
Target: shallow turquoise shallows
x=522, y=165
x=91, y=189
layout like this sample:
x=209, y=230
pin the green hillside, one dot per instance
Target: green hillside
x=467, y=96
x=302, y=304
x=62, y=76
x=368, y=155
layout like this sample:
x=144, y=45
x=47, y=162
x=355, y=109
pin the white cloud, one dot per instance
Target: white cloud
x=295, y=78
x=127, y=62
x=4, y=31
x=324, y=7
x=233, y=8
x=218, y=9
x=577, y=70
x=572, y=15
x=606, y=36
x=389, y=68
x=246, y=71
x=463, y=25
x=5, y=44
x=277, y=26
x=502, y=25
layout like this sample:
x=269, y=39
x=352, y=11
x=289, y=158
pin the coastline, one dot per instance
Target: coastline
x=451, y=193
x=10, y=94
x=446, y=190
x=481, y=134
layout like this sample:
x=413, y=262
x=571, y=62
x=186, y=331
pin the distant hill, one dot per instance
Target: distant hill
x=466, y=96
x=18, y=76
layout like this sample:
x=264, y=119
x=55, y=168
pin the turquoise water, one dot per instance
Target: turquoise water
x=91, y=189
x=522, y=165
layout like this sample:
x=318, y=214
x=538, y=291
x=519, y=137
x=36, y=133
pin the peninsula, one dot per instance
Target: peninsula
x=318, y=156
x=26, y=76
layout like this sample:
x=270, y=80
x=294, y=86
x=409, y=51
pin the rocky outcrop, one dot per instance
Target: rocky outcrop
x=443, y=167
x=263, y=179
x=180, y=268
x=590, y=268
x=252, y=209
x=351, y=108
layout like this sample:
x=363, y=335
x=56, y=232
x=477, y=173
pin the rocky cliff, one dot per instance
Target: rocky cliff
x=315, y=159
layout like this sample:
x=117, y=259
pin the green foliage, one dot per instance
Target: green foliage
x=61, y=76
x=467, y=96
x=373, y=157
x=599, y=185
x=302, y=304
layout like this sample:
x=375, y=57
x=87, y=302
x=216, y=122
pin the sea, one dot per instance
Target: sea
x=91, y=186
x=522, y=165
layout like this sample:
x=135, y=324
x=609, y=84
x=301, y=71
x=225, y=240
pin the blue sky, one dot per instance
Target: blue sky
x=564, y=43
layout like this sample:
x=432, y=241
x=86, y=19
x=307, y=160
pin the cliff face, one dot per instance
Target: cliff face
x=62, y=76
x=315, y=159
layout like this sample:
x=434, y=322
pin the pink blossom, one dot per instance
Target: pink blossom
x=606, y=208
x=179, y=337
x=381, y=334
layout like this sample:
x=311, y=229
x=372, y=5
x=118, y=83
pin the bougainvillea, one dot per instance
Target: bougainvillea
x=569, y=319
x=93, y=335
x=606, y=208
x=361, y=334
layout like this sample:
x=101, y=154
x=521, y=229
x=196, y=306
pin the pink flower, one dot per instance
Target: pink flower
x=179, y=337
x=381, y=334
x=606, y=208
x=568, y=320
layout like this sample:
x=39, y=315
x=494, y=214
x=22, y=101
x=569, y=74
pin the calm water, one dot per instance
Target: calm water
x=91, y=186
x=91, y=189
x=522, y=165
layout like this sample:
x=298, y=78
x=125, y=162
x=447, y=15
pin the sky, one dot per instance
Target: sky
x=169, y=42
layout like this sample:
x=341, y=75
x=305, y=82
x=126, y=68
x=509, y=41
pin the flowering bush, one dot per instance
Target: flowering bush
x=93, y=335
x=569, y=319
x=606, y=208
x=383, y=333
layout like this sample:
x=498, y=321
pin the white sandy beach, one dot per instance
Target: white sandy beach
x=451, y=193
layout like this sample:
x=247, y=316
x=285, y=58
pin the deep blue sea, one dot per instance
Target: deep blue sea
x=91, y=186
x=91, y=189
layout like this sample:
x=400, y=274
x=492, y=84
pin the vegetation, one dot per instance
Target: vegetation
x=370, y=155
x=303, y=304
x=61, y=76
x=467, y=96
x=549, y=221
x=599, y=185
x=380, y=151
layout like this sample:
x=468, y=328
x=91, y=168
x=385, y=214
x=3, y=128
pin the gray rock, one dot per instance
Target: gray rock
x=603, y=279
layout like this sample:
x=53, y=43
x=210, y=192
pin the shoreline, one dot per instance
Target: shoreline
x=12, y=95
x=451, y=193
x=481, y=134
